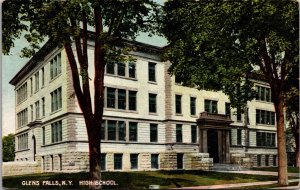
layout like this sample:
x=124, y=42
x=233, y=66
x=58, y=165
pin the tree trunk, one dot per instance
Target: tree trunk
x=282, y=158
x=94, y=153
x=297, y=153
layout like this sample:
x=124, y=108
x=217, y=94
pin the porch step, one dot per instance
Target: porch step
x=227, y=167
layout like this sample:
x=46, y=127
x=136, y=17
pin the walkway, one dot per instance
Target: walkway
x=237, y=185
x=254, y=172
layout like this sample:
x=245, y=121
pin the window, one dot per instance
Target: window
x=43, y=107
x=178, y=103
x=194, y=133
x=211, y=106
x=193, y=105
x=121, y=99
x=103, y=161
x=133, y=131
x=121, y=69
x=178, y=133
x=117, y=98
x=151, y=71
x=43, y=136
x=274, y=160
x=122, y=130
x=153, y=132
x=56, y=100
x=179, y=161
x=110, y=68
x=116, y=130
x=132, y=100
x=131, y=70
x=31, y=110
x=265, y=139
x=22, y=93
x=111, y=97
x=152, y=103
x=43, y=77
x=56, y=131
x=103, y=130
x=154, y=161
x=55, y=66
x=37, y=82
x=263, y=94
x=227, y=109
x=37, y=110
x=258, y=160
x=31, y=86
x=134, y=161
x=238, y=114
x=22, y=118
x=23, y=141
x=267, y=160
x=265, y=117
x=111, y=130
x=118, y=161
x=239, y=137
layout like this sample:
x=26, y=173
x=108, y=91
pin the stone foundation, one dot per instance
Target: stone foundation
x=20, y=168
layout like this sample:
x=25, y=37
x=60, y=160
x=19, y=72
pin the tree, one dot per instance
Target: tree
x=292, y=113
x=65, y=24
x=8, y=147
x=217, y=45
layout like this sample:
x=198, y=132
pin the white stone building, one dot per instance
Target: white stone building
x=151, y=122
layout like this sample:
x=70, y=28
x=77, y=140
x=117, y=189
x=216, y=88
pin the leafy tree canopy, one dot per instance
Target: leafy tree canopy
x=62, y=21
x=217, y=44
x=8, y=147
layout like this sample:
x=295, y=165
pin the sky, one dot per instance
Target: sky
x=12, y=63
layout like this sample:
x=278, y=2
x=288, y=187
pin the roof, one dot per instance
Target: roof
x=49, y=46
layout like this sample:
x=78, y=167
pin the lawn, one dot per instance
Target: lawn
x=132, y=180
x=275, y=169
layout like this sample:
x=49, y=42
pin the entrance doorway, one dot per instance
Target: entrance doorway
x=212, y=145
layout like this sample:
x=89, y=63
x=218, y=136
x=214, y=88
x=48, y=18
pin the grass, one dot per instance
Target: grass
x=137, y=180
x=275, y=169
x=266, y=186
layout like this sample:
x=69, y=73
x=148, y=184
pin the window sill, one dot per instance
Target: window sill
x=265, y=125
x=120, y=76
x=55, y=111
x=54, y=143
x=178, y=114
x=195, y=116
x=22, y=150
x=120, y=110
x=21, y=101
x=152, y=82
x=262, y=101
x=54, y=78
x=153, y=113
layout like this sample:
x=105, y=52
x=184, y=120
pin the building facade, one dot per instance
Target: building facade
x=150, y=121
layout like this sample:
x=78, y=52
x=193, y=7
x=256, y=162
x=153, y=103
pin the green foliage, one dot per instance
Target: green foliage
x=217, y=44
x=8, y=147
x=61, y=21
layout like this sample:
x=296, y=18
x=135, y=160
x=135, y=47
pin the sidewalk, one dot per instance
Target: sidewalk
x=254, y=172
x=236, y=185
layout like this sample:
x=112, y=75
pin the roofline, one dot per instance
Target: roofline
x=50, y=45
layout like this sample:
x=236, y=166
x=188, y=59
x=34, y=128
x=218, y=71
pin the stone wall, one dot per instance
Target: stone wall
x=197, y=161
x=20, y=168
